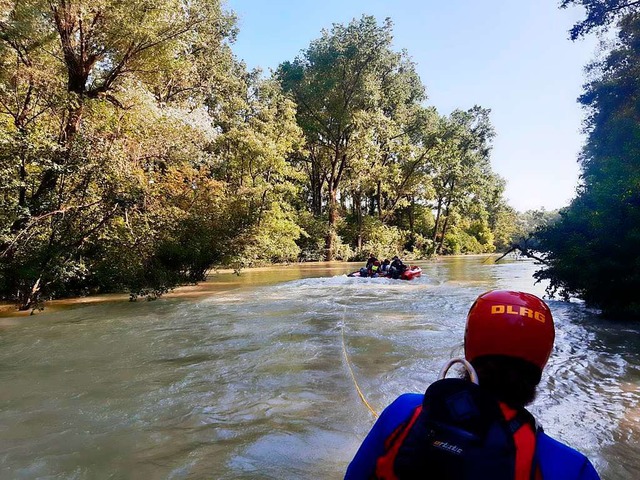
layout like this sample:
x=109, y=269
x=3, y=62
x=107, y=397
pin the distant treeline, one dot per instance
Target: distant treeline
x=136, y=152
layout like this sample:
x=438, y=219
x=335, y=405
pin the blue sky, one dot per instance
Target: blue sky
x=512, y=56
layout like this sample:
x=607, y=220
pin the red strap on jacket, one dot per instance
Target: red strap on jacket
x=384, y=464
x=525, y=441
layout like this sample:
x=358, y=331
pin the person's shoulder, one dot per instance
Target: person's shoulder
x=401, y=408
x=408, y=400
x=559, y=461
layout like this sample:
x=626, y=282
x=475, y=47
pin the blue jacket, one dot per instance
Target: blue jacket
x=556, y=460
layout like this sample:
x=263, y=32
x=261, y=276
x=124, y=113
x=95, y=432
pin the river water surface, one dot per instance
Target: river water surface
x=247, y=378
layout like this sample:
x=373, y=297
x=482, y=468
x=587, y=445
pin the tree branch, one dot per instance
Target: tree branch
x=35, y=220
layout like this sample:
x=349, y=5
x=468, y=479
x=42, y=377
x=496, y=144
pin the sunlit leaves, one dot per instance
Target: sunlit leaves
x=107, y=143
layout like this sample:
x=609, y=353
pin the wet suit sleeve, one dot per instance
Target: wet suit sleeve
x=560, y=462
x=363, y=465
x=588, y=472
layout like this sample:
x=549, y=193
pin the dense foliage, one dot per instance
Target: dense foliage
x=599, y=14
x=376, y=156
x=592, y=252
x=136, y=152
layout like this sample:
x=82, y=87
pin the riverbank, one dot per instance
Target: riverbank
x=218, y=281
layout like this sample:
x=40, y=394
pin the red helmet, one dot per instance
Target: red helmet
x=514, y=324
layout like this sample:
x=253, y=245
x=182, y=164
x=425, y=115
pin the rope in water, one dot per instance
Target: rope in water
x=353, y=377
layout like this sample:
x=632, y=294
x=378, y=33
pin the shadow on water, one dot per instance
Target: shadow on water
x=246, y=378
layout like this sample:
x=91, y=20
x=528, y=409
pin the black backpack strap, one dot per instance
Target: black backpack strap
x=523, y=417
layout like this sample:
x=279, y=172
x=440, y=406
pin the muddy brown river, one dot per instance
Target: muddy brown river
x=246, y=378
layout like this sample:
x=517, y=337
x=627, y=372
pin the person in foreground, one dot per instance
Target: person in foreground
x=477, y=427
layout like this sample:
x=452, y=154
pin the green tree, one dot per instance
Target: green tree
x=76, y=83
x=389, y=173
x=529, y=222
x=460, y=167
x=502, y=218
x=592, y=251
x=253, y=159
x=600, y=14
x=348, y=74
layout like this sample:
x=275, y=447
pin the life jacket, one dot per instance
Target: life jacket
x=459, y=432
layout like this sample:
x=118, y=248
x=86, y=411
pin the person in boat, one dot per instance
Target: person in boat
x=372, y=258
x=462, y=430
x=374, y=269
x=367, y=270
x=396, y=268
x=386, y=265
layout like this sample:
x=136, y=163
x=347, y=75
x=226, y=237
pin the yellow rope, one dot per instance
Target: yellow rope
x=353, y=377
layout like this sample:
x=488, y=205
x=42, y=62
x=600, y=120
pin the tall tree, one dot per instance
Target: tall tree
x=71, y=71
x=340, y=76
x=502, y=217
x=461, y=167
x=592, y=252
x=102, y=44
x=254, y=160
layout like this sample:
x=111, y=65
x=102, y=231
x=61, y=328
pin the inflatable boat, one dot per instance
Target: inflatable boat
x=410, y=273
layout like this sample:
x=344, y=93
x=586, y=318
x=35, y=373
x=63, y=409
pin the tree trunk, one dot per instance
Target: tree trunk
x=357, y=204
x=412, y=218
x=446, y=218
x=333, y=221
x=78, y=66
x=371, y=204
x=316, y=189
x=30, y=299
x=444, y=231
x=435, y=227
